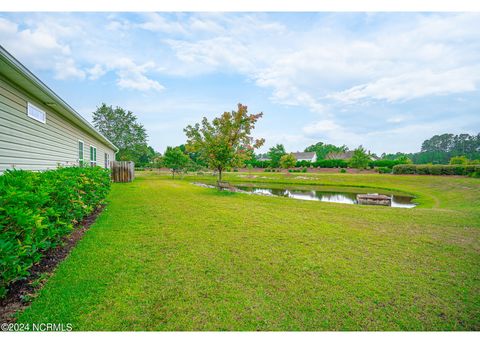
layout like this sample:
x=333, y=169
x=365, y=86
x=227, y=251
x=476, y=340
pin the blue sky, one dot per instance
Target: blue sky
x=384, y=80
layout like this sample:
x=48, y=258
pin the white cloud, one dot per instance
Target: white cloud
x=396, y=119
x=30, y=42
x=96, y=71
x=73, y=50
x=138, y=81
x=316, y=66
x=219, y=53
x=157, y=22
x=324, y=65
x=67, y=69
x=132, y=75
x=414, y=85
x=329, y=131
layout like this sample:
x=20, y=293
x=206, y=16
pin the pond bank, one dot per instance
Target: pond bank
x=323, y=194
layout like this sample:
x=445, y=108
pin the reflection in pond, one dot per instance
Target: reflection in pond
x=315, y=195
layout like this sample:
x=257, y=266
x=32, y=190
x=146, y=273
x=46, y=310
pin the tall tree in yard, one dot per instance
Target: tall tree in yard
x=275, y=153
x=225, y=142
x=322, y=150
x=360, y=158
x=122, y=129
x=175, y=159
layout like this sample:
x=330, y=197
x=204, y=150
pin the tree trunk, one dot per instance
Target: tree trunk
x=173, y=174
x=219, y=175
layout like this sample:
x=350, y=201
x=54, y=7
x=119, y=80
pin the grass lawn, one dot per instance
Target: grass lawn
x=168, y=255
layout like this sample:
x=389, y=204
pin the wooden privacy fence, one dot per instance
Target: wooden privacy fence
x=123, y=171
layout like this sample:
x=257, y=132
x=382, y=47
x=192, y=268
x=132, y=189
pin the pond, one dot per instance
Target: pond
x=336, y=196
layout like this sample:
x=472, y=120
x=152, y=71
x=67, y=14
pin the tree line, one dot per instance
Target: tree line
x=440, y=149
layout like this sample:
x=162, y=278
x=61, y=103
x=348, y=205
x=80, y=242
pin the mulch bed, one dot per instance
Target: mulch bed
x=21, y=293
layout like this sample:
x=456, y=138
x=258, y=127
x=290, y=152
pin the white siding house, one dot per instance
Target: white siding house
x=38, y=130
x=305, y=156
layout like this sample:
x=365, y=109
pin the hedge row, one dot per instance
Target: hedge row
x=436, y=169
x=384, y=163
x=38, y=208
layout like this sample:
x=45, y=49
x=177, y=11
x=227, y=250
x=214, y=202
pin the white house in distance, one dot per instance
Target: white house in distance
x=305, y=156
x=39, y=130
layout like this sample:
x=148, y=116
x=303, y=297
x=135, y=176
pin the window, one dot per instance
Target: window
x=36, y=113
x=107, y=160
x=93, y=156
x=80, y=153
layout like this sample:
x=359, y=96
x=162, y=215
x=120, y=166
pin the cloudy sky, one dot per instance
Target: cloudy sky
x=387, y=81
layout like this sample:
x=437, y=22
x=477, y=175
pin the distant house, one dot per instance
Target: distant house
x=305, y=156
x=339, y=155
x=262, y=159
x=38, y=130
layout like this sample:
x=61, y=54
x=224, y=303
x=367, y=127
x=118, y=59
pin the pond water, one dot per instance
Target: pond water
x=327, y=196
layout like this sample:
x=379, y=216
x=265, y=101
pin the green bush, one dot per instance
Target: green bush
x=475, y=174
x=404, y=169
x=435, y=169
x=330, y=164
x=384, y=163
x=38, y=209
x=343, y=170
x=300, y=164
x=459, y=160
x=304, y=170
x=384, y=170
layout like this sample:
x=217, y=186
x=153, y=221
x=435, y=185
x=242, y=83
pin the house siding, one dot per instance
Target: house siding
x=26, y=143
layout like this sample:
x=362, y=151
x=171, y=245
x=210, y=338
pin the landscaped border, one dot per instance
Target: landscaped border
x=22, y=292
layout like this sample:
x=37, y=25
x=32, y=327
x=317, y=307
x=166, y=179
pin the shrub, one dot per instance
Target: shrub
x=260, y=164
x=343, y=170
x=38, y=209
x=266, y=170
x=384, y=170
x=330, y=164
x=404, y=169
x=288, y=161
x=300, y=164
x=384, y=163
x=304, y=170
x=459, y=160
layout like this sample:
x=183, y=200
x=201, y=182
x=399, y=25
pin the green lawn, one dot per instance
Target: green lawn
x=168, y=255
